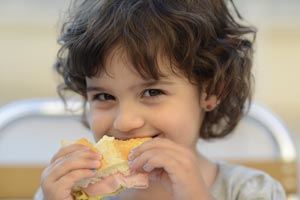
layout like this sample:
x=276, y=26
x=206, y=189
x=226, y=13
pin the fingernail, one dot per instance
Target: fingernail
x=94, y=171
x=130, y=163
x=131, y=155
x=132, y=150
x=147, y=168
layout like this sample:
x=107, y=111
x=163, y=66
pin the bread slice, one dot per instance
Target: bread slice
x=114, y=158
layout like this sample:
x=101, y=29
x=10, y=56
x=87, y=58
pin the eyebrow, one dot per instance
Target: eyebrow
x=133, y=87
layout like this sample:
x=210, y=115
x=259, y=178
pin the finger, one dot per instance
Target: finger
x=160, y=176
x=83, y=160
x=80, y=154
x=166, y=157
x=74, y=176
x=49, y=172
x=171, y=167
x=68, y=149
x=85, y=153
x=156, y=174
x=176, y=168
x=62, y=187
x=155, y=143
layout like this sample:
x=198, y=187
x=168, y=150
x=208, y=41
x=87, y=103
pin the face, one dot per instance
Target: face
x=124, y=105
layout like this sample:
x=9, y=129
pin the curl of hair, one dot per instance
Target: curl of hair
x=201, y=38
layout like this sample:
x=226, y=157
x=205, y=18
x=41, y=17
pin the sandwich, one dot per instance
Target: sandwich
x=114, y=174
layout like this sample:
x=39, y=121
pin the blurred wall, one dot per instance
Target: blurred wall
x=28, y=31
x=277, y=64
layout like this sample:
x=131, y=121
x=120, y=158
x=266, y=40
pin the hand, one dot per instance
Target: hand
x=174, y=166
x=70, y=164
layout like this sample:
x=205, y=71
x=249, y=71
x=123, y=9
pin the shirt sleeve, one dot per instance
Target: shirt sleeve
x=261, y=187
x=39, y=195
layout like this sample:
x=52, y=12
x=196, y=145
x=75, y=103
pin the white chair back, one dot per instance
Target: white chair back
x=260, y=135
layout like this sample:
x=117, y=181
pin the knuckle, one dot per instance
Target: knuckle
x=45, y=175
x=136, y=150
x=73, y=175
x=54, y=158
x=45, y=185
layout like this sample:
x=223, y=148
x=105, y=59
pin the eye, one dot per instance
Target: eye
x=153, y=92
x=103, y=97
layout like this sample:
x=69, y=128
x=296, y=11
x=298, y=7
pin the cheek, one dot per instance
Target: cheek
x=100, y=123
x=181, y=125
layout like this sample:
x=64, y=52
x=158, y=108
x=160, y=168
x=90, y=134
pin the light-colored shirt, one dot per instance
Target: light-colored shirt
x=235, y=182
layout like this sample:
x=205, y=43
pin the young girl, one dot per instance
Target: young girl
x=172, y=70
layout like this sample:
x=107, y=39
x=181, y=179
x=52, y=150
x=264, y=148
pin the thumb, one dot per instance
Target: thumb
x=160, y=176
x=155, y=175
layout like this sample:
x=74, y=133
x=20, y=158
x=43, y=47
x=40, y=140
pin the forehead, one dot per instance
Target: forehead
x=118, y=61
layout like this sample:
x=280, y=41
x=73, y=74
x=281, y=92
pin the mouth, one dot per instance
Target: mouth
x=127, y=138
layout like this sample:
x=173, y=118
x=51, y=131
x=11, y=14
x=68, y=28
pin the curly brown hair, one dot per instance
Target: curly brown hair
x=204, y=39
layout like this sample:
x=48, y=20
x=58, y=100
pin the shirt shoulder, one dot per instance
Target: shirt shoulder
x=243, y=183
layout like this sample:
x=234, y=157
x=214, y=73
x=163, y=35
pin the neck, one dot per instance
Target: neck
x=209, y=170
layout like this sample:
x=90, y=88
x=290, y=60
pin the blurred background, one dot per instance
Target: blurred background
x=29, y=28
x=28, y=31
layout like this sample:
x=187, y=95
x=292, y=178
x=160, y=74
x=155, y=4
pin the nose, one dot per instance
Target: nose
x=128, y=118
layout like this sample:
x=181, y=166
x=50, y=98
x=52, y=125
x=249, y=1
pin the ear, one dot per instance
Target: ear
x=208, y=103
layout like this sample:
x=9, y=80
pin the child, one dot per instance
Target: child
x=172, y=70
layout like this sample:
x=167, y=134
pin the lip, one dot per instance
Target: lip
x=134, y=137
